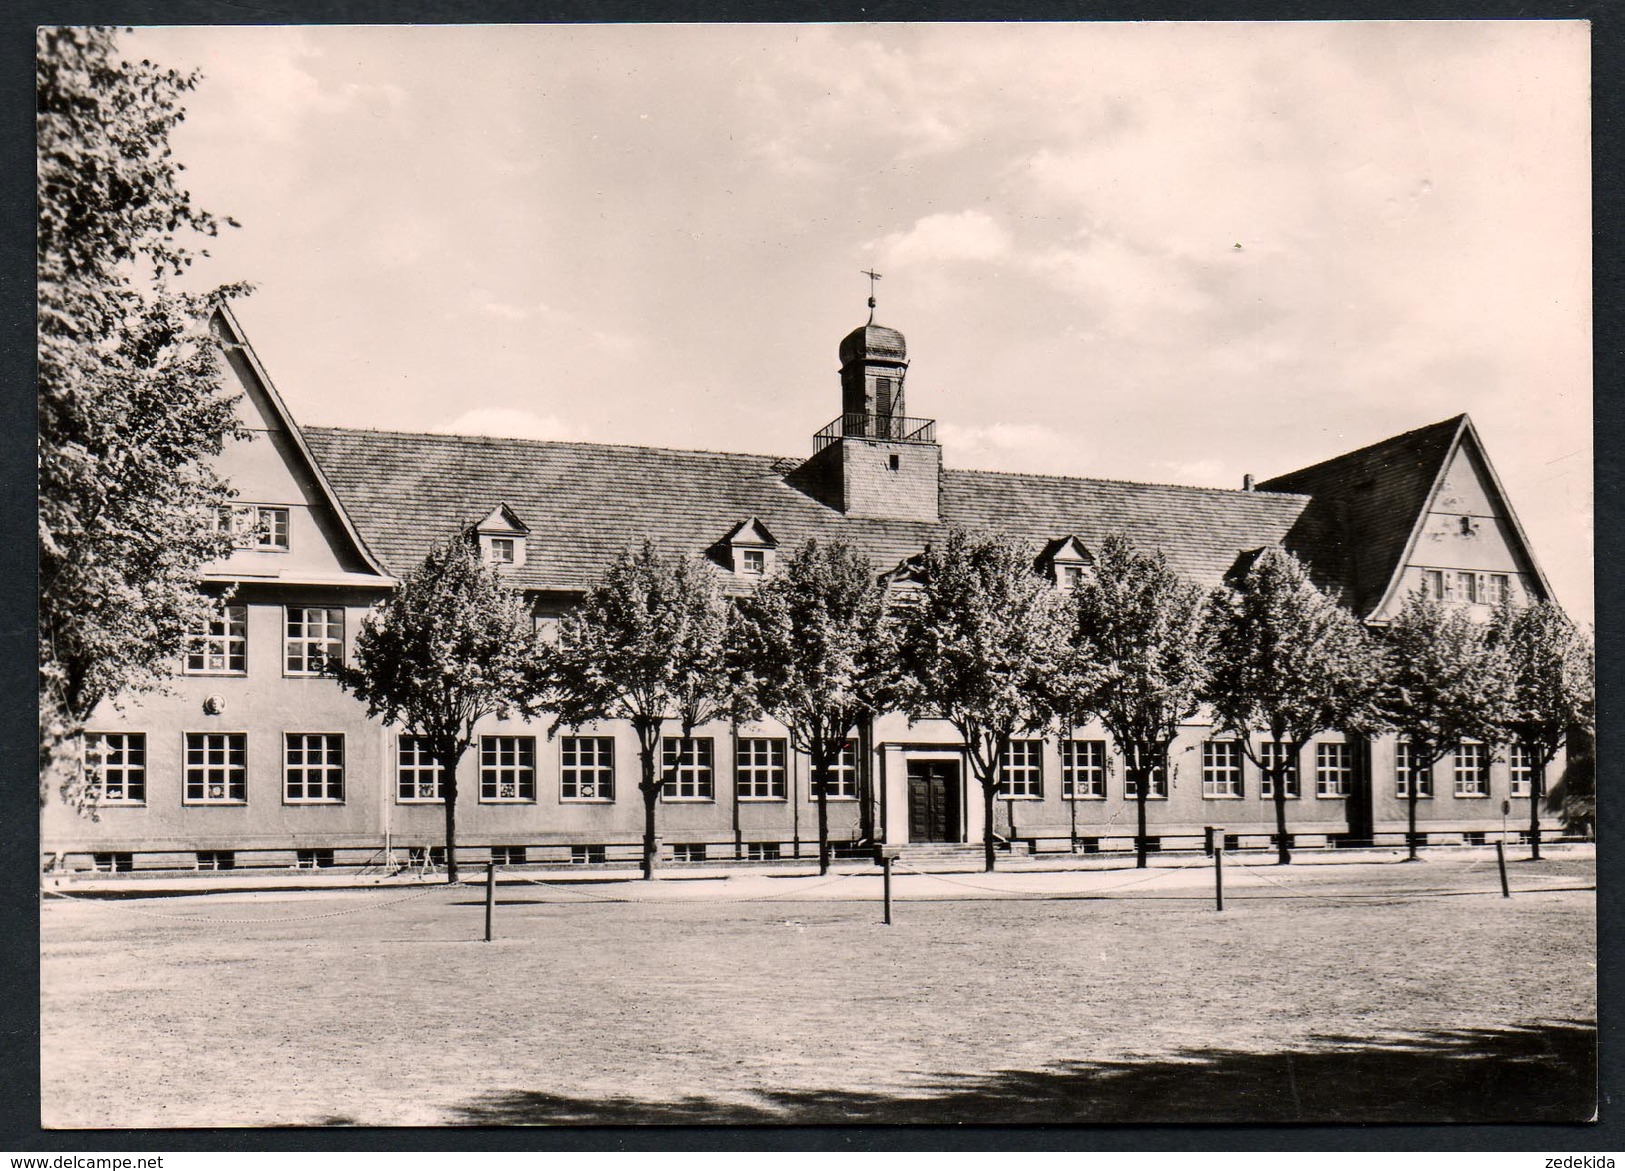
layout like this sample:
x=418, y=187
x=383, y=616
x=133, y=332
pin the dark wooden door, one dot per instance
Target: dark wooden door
x=933, y=801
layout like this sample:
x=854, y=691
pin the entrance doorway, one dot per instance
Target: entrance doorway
x=933, y=801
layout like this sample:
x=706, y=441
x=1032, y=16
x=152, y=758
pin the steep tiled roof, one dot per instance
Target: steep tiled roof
x=585, y=502
x=1365, y=505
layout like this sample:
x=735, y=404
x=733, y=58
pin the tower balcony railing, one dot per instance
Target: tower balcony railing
x=897, y=428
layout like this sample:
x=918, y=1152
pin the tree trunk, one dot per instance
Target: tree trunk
x=1283, y=852
x=989, y=855
x=647, y=746
x=821, y=787
x=1537, y=792
x=1142, y=791
x=1412, y=788
x=448, y=795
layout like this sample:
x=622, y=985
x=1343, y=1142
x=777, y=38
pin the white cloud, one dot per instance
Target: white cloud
x=507, y=423
x=946, y=236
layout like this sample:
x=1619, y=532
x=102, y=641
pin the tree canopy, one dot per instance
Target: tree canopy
x=1143, y=646
x=449, y=647
x=814, y=651
x=649, y=645
x=980, y=645
x=131, y=408
x=1290, y=662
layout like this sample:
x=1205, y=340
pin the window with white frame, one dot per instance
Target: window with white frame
x=1083, y=770
x=759, y=770
x=116, y=766
x=220, y=645
x=1274, y=753
x=843, y=776
x=1221, y=768
x=216, y=768
x=313, y=767
x=1070, y=577
x=1334, y=770
x=753, y=562
x=417, y=776
x=507, y=768
x=1472, y=771
x=1520, y=770
x=1021, y=769
x=1156, y=791
x=257, y=526
x=1460, y=585
x=502, y=550
x=587, y=768
x=314, y=636
x=687, y=761
x=1408, y=771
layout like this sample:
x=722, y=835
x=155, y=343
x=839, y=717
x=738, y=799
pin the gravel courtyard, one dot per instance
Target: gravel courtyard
x=1324, y=992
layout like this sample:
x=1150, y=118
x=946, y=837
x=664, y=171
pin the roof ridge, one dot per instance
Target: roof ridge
x=1454, y=422
x=593, y=444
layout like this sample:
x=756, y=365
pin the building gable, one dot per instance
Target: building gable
x=288, y=523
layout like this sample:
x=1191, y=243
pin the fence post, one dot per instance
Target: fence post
x=490, y=896
x=1501, y=862
x=1216, y=836
x=884, y=855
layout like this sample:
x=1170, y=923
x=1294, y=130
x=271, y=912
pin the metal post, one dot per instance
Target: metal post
x=885, y=870
x=1501, y=861
x=1217, y=833
x=490, y=896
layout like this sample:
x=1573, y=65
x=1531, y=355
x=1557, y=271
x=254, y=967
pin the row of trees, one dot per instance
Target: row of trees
x=969, y=632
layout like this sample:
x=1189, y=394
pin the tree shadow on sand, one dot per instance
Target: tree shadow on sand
x=1528, y=1073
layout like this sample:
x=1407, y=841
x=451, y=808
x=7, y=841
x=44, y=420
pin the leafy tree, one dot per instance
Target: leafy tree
x=979, y=648
x=451, y=646
x=130, y=401
x=1143, y=631
x=1290, y=662
x=813, y=650
x=1552, y=666
x=649, y=644
x=1447, y=683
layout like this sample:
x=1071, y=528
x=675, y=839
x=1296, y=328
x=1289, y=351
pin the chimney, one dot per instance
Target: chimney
x=1247, y=482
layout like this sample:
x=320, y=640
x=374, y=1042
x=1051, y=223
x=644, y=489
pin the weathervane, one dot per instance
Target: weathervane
x=873, y=277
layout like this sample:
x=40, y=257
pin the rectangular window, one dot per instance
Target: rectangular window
x=1158, y=789
x=1334, y=770
x=113, y=863
x=313, y=767
x=843, y=776
x=761, y=851
x=220, y=646
x=508, y=855
x=582, y=855
x=507, y=768
x=586, y=768
x=1406, y=771
x=317, y=859
x=257, y=526
x=315, y=634
x=1272, y=752
x=1221, y=768
x=116, y=767
x=1520, y=771
x=1071, y=577
x=216, y=768
x=1021, y=771
x=753, y=561
x=1493, y=588
x=1472, y=771
x=1466, y=587
x=1433, y=584
x=688, y=852
x=216, y=860
x=502, y=550
x=759, y=770
x=687, y=762
x=1083, y=770
x=417, y=776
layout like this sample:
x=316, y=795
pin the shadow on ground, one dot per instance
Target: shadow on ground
x=1530, y=1073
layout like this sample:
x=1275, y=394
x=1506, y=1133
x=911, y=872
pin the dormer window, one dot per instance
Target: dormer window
x=748, y=549
x=502, y=538
x=1069, y=577
x=1065, y=562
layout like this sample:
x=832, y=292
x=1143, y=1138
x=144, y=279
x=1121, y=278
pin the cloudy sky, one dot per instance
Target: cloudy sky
x=1171, y=253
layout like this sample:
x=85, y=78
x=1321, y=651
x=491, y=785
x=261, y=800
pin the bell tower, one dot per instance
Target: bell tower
x=874, y=461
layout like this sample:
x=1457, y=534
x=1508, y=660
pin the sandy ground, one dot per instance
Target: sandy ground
x=1340, y=991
